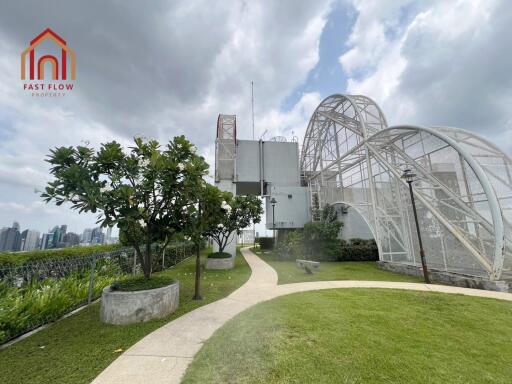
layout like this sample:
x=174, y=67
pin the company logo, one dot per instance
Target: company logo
x=59, y=71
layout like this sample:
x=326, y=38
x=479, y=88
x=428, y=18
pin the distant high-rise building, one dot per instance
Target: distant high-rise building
x=98, y=237
x=57, y=238
x=46, y=241
x=87, y=235
x=71, y=239
x=29, y=240
x=10, y=238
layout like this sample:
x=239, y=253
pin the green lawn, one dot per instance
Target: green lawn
x=77, y=349
x=362, y=336
x=288, y=271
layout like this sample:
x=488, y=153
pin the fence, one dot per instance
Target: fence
x=40, y=291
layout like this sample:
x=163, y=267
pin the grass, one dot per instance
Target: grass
x=362, y=336
x=141, y=283
x=288, y=271
x=76, y=349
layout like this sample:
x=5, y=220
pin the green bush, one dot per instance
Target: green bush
x=44, y=299
x=319, y=243
x=219, y=255
x=23, y=309
x=359, y=250
x=266, y=243
x=291, y=246
x=19, y=258
x=321, y=240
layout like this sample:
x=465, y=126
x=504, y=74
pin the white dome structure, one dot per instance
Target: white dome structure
x=463, y=189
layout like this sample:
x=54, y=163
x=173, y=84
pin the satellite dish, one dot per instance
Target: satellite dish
x=279, y=139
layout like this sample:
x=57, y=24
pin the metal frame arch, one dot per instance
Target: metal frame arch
x=492, y=198
x=349, y=155
x=448, y=129
x=352, y=99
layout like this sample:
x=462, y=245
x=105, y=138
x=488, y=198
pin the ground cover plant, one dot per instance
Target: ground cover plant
x=76, y=349
x=361, y=336
x=45, y=289
x=288, y=271
x=40, y=302
x=219, y=255
x=141, y=283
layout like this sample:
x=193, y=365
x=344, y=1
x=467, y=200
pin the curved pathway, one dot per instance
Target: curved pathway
x=164, y=355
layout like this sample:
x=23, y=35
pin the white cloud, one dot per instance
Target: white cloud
x=291, y=123
x=435, y=63
x=166, y=71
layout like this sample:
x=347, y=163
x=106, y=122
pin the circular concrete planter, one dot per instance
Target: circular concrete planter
x=138, y=306
x=226, y=263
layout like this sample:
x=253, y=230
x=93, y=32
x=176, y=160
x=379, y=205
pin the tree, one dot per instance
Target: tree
x=225, y=215
x=320, y=237
x=146, y=192
x=218, y=214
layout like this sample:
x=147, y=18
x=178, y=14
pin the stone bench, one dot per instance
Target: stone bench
x=308, y=265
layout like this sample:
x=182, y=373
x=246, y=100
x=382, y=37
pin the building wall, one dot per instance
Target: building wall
x=29, y=240
x=291, y=209
x=280, y=163
x=354, y=226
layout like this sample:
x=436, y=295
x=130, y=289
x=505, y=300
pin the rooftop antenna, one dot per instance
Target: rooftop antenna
x=252, y=105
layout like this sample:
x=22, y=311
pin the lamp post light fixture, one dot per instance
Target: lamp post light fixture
x=409, y=177
x=273, y=201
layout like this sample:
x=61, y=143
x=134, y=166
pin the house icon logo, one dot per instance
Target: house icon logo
x=60, y=70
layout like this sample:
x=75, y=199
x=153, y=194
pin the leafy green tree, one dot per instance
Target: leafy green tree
x=147, y=191
x=226, y=214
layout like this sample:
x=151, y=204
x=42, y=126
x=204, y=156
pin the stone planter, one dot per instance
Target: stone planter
x=227, y=263
x=119, y=307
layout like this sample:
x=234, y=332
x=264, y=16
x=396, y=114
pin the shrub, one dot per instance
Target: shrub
x=291, y=246
x=219, y=255
x=23, y=309
x=266, y=243
x=321, y=240
x=141, y=283
x=19, y=258
x=359, y=250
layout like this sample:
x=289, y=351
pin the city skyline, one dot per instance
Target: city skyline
x=13, y=239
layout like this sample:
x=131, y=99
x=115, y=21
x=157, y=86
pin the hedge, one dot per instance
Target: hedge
x=19, y=258
x=266, y=243
x=327, y=250
x=360, y=251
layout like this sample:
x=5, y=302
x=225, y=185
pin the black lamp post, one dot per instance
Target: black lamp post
x=197, y=285
x=408, y=176
x=273, y=202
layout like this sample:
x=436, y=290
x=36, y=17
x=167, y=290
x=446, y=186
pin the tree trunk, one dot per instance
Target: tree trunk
x=197, y=293
x=148, y=262
x=221, y=246
x=140, y=257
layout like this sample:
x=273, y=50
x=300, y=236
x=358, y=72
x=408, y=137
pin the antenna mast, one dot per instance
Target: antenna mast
x=252, y=105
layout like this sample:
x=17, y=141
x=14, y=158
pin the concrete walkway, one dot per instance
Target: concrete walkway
x=164, y=355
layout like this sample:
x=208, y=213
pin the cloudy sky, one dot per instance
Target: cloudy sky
x=162, y=68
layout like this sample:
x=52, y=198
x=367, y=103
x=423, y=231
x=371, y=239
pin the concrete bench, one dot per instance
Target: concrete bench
x=308, y=265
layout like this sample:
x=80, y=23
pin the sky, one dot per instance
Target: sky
x=163, y=68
